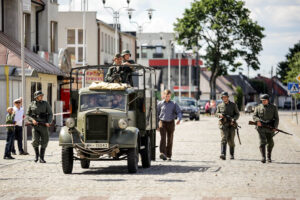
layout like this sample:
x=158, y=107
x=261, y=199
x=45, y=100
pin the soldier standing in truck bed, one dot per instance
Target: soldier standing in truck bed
x=128, y=69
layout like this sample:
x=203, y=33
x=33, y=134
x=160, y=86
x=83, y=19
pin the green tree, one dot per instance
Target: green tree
x=238, y=98
x=294, y=70
x=283, y=67
x=225, y=31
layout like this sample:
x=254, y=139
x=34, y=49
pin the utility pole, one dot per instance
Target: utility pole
x=24, y=128
x=179, y=74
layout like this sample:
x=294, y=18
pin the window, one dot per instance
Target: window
x=158, y=50
x=105, y=43
x=49, y=94
x=27, y=34
x=53, y=1
x=75, y=45
x=102, y=42
x=127, y=46
x=108, y=51
x=35, y=86
x=114, y=45
x=111, y=45
x=53, y=36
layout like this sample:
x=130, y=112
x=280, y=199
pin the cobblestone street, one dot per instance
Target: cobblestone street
x=196, y=172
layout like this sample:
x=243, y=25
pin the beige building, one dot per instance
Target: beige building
x=100, y=38
x=40, y=25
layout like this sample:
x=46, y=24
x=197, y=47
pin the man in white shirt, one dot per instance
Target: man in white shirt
x=19, y=114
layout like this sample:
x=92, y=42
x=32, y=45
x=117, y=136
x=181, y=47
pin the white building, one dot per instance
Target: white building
x=155, y=46
x=100, y=38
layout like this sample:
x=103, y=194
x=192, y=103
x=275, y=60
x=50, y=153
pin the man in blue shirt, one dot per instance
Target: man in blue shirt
x=167, y=111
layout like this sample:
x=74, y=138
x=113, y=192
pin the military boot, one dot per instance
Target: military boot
x=269, y=155
x=263, y=153
x=231, y=153
x=36, y=150
x=223, y=151
x=42, y=155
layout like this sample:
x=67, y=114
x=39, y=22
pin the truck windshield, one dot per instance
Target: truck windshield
x=103, y=100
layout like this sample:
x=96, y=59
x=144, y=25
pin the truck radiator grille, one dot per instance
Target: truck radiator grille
x=96, y=127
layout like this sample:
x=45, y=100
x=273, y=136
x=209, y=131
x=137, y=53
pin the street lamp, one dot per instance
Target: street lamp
x=116, y=16
x=140, y=26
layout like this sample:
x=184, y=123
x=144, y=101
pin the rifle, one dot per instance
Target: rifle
x=234, y=124
x=270, y=127
x=38, y=124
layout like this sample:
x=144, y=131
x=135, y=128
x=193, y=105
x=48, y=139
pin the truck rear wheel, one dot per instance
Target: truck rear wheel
x=132, y=159
x=85, y=164
x=67, y=159
x=146, y=153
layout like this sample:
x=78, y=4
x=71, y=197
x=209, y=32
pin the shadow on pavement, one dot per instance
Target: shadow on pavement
x=153, y=170
x=253, y=160
x=286, y=163
x=273, y=162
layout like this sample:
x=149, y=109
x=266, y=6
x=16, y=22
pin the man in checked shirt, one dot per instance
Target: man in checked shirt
x=167, y=111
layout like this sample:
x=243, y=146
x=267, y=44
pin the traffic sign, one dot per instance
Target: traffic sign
x=298, y=78
x=293, y=88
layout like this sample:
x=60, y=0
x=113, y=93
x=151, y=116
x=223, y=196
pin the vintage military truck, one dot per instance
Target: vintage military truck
x=110, y=122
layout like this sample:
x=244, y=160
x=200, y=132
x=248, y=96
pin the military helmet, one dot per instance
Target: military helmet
x=124, y=52
x=224, y=94
x=264, y=97
x=117, y=55
x=38, y=93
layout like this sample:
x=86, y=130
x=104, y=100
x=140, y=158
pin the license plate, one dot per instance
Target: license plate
x=96, y=145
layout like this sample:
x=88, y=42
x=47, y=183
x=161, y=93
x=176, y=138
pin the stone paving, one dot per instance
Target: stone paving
x=196, y=172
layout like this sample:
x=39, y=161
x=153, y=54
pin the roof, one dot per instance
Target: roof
x=174, y=62
x=222, y=84
x=38, y=2
x=31, y=58
x=240, y=80
x=273, y=84
x=111, y=27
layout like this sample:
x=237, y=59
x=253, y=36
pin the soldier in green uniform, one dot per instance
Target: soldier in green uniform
x=127, y=70
x=227, y=112
x=266, y=113
x=114, y=73
x=40, y=114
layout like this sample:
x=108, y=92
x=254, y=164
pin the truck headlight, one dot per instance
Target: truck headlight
x=122, y=123
x=70, y=122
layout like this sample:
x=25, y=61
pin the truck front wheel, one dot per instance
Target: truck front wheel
x=132, y=159
x=146, y=153
x=67, y=159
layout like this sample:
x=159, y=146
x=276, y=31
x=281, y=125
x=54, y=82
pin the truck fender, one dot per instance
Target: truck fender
x=127, y=137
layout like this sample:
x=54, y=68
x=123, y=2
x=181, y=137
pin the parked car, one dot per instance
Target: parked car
x=189, y=108
x=250, y=106
x=287, y=105
x=201, y=105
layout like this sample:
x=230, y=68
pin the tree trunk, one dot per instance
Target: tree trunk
x=212, y=84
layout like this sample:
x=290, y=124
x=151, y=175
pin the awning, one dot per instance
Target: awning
x=32, y=59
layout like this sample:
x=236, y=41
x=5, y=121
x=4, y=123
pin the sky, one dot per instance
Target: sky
x=280, y=18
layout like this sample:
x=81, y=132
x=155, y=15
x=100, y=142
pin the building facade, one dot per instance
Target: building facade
x=40, y=31
x=100, y=38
